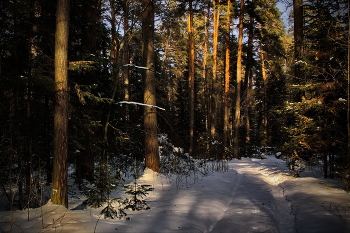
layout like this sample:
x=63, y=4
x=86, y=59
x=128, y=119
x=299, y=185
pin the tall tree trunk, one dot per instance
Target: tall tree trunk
x=205, y=72
x=149, y=94
x=227, y=107
x=91, y=12
x=265, y=113
x=248, y=79
x=298, y=43
x=59, y=193
x=114, y=58
x=214, y=85
x=126, y=59
x=348, y=157
x=238, y=82
x=165, y=71
x=191, y=73
x=298, y=29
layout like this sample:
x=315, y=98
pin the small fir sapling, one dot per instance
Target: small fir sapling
x=99, y=191
x=137, y=192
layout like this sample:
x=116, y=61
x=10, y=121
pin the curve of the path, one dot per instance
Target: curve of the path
x=258, y=202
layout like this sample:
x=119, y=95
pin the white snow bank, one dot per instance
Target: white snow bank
x=251, y=196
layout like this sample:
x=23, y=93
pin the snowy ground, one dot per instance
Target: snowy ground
x=251, y=196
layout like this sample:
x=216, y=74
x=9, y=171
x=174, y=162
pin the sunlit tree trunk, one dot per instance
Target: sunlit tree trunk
x=205, y=71
x=191, y=73
x=264, y=78
x=238, y=82
x=227, y=106
x=59, y=193
x=214, y=91
x=149, y=92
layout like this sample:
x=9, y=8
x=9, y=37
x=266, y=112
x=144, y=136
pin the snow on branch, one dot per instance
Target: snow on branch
x=137, y=103
x=139, y=67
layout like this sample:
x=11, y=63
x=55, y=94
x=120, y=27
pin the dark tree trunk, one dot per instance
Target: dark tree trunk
x=59, y=193
x=149, y=92
x=126, y=59
x=238, y=83
x=298, y=30
x=247, y=89
x=298, y=45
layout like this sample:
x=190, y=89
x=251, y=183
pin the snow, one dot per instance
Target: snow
x=141, y=104
x=247, y=195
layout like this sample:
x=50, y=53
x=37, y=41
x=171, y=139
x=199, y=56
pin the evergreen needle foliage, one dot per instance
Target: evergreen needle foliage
x=99, y=191
x=137, y=192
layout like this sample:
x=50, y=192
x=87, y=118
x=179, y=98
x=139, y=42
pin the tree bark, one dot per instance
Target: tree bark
x=238, y=83
x=348, y=113
x=265, y=114
x=248, y=79
x=191, y=73
x=59, y=193
x=115, y=45
x=205, y=72
x=227, y=124
x=149, y=94
x=298, y=28
x=298, y=40
x=126, y=59
x=214, y=95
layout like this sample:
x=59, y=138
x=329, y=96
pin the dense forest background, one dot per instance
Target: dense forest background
x=231, y=80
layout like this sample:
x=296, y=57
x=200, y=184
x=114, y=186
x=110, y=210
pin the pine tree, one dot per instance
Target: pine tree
x=237, y=121
x=149, y=94
x=227, y=105
x=59, y=193
x=191, y=73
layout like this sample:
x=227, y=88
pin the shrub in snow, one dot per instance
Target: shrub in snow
x=296, y=164
x=174, y=162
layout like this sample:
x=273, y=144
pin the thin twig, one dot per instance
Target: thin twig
x=97, y=223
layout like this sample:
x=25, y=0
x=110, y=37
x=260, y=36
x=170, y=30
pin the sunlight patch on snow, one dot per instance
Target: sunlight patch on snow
x=275, y=179
x=149, y=175
x=273, y=175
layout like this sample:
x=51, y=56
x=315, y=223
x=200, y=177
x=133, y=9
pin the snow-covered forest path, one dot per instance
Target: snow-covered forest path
x=250, y=196
x=258, y=204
